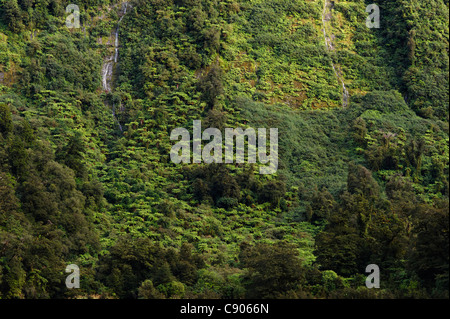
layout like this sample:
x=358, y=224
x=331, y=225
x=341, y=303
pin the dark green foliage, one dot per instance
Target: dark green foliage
x=360, y=181
x=135, y=267
x=273, y=192
x=274, y=271
x=322, y=205
x=430, y=257
x=421, y=61
x=385, y=102
x=11, y=14
x=72, y=155
x=214, y=180
x=211, y=85
x=5, y=119
x=357, y=185
x=361, y=230
x=216, y=119
x=62, y=64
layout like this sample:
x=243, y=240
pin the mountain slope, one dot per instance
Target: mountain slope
x=358, y=183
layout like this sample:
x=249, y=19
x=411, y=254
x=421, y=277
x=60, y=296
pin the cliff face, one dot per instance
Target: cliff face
x=86, y=122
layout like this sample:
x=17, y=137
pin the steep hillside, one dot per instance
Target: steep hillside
x=86, y=177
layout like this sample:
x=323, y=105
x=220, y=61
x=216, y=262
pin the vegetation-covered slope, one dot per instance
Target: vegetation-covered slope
x=357, y=185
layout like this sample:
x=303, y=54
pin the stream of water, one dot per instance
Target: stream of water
x=326, y=16
x=112, y=60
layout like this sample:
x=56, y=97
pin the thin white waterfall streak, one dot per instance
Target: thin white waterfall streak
x=116, y=47
x=108, y=65
x=110, y=61
x=327, y=16
x=116, y=42
x=114, y=115
x=107, y=71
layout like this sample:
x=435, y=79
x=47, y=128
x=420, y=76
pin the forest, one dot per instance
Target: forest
x=86, y=176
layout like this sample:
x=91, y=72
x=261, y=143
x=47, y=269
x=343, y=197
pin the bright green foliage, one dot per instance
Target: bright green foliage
x=86, y=175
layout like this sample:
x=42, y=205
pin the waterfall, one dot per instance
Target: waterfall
x=107, y=71
x=110, y=61
x=114, y=115
x=329, y=45
x=116, y=42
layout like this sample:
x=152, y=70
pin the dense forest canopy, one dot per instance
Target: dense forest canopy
x=86, y=176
